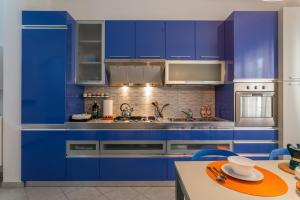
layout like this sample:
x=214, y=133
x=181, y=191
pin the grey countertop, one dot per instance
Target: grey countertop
x=153, y=125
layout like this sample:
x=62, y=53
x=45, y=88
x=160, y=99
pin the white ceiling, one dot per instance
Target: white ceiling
x=162, y=9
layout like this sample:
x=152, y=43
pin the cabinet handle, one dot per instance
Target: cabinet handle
x=180, y=56
x=149, y=57
x=210, y=56
x=120, y=56
x=294, y=83
x=294, y=77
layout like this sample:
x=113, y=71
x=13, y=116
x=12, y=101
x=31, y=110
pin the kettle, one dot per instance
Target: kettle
x=126, y=110
x=295, y=155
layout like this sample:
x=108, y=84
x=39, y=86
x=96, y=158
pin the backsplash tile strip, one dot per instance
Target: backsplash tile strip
x=179, y=97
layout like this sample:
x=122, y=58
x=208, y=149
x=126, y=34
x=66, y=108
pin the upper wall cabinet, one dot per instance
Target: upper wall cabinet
x=44, y=61
x=90, y=63
x=180, y=40
x=48, y=63
x=120, y=39
x=150, y=39
x=209, y=40
x=252, y=44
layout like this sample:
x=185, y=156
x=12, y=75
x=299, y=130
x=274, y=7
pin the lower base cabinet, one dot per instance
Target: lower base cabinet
x=171, y=166
x=133, y=169
x=83, y=169
x=43, y=156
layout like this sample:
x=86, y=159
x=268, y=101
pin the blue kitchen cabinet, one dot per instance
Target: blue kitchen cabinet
x=43, y=156
x=133, y=169
x=171, y=165
x=210, y=40
x=200, y=134
x=252, y=42
x=82, y=169
x=271, y=134
x=44, y=57
x=255, y=144
x=120, y=39
x=150, y=39
x=132, y=134
x=37, y=18
x=254, y=148
x=180, y=40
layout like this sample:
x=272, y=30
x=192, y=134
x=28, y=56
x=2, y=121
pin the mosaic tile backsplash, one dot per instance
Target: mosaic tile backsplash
x=140, y=98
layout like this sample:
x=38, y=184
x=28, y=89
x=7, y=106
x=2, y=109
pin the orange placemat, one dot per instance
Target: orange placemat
x=284, y=166
x=271, y=186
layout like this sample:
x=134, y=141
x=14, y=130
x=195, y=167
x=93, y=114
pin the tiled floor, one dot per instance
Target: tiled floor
x=88, y=193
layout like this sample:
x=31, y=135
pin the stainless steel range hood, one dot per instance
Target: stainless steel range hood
x=135, y=72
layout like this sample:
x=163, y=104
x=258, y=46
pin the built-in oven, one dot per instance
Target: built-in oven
x=255, y=104
x=82, y=148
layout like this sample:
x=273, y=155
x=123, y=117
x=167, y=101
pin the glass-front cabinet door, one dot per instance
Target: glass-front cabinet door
x=192, y=146
x=133, y=147
x=90, y=53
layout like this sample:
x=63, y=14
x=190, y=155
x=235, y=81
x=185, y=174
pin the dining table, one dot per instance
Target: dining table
x=193, y=183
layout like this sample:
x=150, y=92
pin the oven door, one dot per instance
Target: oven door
x=256, y=109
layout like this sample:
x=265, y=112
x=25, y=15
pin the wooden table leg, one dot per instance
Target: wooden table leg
x=179, y=192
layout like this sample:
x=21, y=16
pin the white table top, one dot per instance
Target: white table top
x=198, y=185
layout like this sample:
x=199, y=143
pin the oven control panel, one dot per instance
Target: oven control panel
x=260, y=87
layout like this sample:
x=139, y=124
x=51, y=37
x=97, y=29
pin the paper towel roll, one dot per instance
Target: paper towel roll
x=108, y=108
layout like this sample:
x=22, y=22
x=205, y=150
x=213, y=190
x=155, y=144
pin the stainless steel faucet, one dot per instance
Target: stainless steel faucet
x=189, y=114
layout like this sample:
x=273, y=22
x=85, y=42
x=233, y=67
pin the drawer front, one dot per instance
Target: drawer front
x=254, y=147
x=192, y=146
x=132, y=135
x=256, y=134
x=133, y=147
x=133, y=169
x=200, y=135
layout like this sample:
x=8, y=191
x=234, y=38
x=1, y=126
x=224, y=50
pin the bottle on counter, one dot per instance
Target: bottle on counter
x=95, y=110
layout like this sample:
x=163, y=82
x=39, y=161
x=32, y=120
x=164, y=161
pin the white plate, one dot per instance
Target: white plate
x=254, y=176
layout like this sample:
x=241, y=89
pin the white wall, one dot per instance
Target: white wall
x=11, y=10
x=162, y=9
x=90, y=9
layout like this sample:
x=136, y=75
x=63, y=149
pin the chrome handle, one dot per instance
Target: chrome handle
x=180, y=56
x=210, y=56
x=149, y=57
x=294, y=83
x=120, y=56
x=294, y=77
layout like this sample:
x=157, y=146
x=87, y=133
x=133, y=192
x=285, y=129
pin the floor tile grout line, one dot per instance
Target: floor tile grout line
x=26, y=193
x=64, y=193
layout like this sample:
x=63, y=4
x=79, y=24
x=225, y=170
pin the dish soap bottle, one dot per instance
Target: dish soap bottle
x=95, y=110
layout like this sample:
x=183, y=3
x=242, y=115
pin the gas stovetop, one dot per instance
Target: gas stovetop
x=135, y=119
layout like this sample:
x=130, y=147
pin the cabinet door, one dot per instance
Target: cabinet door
x=171, y=165
x=180, y=40
x=210, y=40
x=43, y=156
x=255, y=45
x=120, y=39
x=291, y=116
x=44, y=57
x=82, y=169
x=291, y=44
x=150, y=39
x=133, y=169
